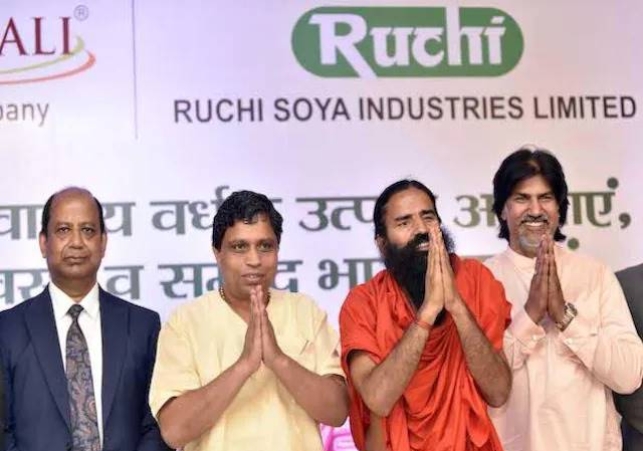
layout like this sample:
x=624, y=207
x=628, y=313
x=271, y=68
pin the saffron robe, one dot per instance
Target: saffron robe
x=441, y=409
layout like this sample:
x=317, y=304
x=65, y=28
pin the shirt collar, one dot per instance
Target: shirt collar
x=521, y=262
x=62, y=302
x=526, y=263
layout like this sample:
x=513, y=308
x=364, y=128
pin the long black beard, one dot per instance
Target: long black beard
x=408, y=266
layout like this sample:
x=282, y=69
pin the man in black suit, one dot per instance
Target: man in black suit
x=2, y=413
x=631, y=406
x=77, y=360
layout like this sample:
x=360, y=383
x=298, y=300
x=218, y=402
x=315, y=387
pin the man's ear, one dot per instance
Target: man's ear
x=381, y=244
x=42, y=242
x=103, y=244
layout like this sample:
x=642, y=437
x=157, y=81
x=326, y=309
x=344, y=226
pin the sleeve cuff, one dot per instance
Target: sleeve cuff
x=577, y=332
x=523, y=328
x=158, y=401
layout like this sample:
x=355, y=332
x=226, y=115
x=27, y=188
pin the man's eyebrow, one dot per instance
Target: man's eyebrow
x=402, y=218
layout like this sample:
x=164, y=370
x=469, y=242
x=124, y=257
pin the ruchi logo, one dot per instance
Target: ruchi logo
x=41, y=48
x=374, y=42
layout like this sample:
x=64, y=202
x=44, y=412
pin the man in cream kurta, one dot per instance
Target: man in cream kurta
x=247, y=367
x=205, y=336
x=572, y=340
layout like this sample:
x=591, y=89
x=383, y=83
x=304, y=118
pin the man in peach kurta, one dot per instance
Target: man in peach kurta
x=572, y=340
x=422, y=341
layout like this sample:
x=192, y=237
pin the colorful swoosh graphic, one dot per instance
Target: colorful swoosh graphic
x=78, y=49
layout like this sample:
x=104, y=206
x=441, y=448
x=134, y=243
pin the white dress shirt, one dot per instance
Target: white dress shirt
x=89, y=321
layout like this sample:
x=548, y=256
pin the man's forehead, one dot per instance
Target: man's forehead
x=409, y=199
x=257, y=228
x=63, y=199
x=536, y=183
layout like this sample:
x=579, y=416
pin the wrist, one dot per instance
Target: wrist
x=424, y=325
x=427, y=316
x=244, y=367
x=557, y=312
x=458, y=308
x=569, y=313
x=278, y=362
x=535, y=314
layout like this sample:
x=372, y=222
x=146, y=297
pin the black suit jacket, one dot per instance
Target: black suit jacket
x=2, y=409
x=631, y=406
x=37, y=399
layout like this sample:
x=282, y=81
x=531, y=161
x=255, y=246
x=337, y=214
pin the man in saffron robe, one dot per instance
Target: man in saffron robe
x=422, y=341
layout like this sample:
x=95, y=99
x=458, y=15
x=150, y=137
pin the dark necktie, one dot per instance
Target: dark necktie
x=82, y=404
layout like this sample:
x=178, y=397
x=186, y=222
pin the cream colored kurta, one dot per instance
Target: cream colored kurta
x=204, y=337
x=561, y=398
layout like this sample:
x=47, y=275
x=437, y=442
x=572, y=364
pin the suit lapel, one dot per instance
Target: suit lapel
x=44, y=336
x=114, y=321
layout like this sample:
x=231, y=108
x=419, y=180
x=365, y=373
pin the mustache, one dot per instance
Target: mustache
x=418, y=239
x=535, y=218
